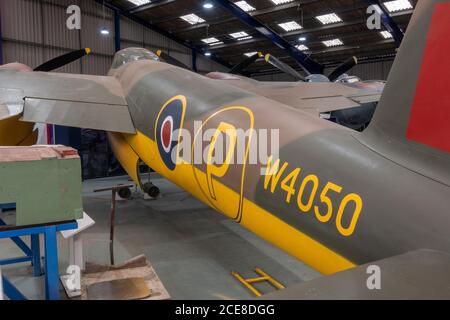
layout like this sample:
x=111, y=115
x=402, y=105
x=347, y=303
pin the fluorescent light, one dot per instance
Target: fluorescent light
x=192, y=18
x=333, y=43
x=277, y=2
x=329, y=18
x=216, y=43
x=386, y=34
x=208, y=54
x=104, y=31
x=239, y=34
x=250, y=54
x=302, y=39
x=139, y=2
x=244, y=6
x=397, y=5
x=302, y=47
x=290, y=26
x=210, y=40
x=208, y=5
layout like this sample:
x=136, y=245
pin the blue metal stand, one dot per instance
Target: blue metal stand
x=7, y=206
x=33, y=254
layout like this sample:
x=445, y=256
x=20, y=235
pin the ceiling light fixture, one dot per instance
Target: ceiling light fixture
x=192, y=18
x=329, y=18
x=397, y=5
x=333, y=43
x=290, y=26
x=210, y=40
x=245, y=6
x=302, y=47
x=139, y=2
x=278, y=2
x=386, y=34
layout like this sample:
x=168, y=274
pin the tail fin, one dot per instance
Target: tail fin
x=411, y=125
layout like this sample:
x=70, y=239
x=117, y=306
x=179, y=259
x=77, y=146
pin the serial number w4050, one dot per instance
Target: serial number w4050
x=308, y=188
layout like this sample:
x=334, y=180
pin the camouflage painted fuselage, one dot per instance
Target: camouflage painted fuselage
x=333, y=203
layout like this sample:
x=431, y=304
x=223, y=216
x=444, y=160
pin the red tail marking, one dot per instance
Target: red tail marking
x=429, y=122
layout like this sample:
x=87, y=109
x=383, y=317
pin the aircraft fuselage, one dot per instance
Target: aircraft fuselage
x=333, y=202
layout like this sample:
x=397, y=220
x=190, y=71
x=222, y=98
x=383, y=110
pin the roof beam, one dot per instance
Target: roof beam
x=307, y=64
x=292, y=33
x=255, y=13
x=153, y=4
x=309, y=17
x=346, y=38
x=305, y=31
x=387, y=21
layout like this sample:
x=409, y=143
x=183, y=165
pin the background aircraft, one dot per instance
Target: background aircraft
x=334, y=198
x=355, y=112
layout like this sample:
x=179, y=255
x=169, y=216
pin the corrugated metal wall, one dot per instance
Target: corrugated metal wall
x=376, y=70
x=366, y=71
x=34, y=31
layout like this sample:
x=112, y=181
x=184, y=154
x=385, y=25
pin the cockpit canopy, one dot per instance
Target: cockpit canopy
x=132, y=54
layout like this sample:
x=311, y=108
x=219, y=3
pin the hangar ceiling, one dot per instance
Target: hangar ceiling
x=230, y=39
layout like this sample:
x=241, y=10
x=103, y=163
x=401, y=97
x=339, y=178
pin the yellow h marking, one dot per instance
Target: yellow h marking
x=264, y=276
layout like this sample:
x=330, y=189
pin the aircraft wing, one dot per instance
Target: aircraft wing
x=84, y=101
x=365, y=98
x=421, y=274
x=312, y=97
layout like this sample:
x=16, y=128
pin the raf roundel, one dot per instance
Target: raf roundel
x=167, y=133
x=168, y=129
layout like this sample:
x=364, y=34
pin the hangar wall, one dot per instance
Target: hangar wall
x=34, y=31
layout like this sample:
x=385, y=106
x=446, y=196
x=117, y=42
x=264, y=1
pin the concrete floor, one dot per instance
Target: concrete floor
x=192, y=247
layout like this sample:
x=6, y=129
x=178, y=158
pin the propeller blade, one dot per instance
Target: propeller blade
x=283, y=67
x=170, y=60
x=63, y=60
x=343, y=68
x=245, y=63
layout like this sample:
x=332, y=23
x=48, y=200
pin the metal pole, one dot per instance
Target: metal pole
x=308, y=65
x=114, y=191
x=388, y=22
x=111, y=232
x=1, y=285
x=117, y=30
x=1, y=42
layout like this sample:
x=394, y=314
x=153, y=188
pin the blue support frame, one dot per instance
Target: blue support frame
x=1, y=41
x=116, y=30
x=33, y=255
x=7, y=206
x=388, y=22
x=11, y=291
x=67, y=136
x=308, y=65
